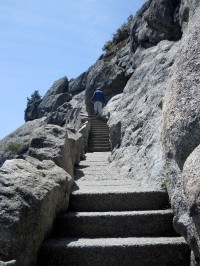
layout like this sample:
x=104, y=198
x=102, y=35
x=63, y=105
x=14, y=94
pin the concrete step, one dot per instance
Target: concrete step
x=99, y=158
x=103, y=147
x=99, y=149
x=96, y=129
x=162, y=251
x=97, y=140
x=99, y=135
x=99, y=144
x=103, y=140
x=98, y=121
x=117, y=201
x=99, y=126
x=115, y=224
x=99, y=130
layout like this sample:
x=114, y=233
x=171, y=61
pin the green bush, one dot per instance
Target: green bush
x=163, y=182
x=121, y=34
x=35, y=97
x=107, y=46
x=110, y=158
x=13, y=147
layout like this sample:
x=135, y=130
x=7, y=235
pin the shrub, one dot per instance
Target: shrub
x=107, y=46
x=121, y=34
x=110, y=158
x=13, y=147
x=35, y=97
x=163, y=182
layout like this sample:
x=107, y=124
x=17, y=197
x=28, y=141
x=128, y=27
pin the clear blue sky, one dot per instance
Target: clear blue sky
x=42, y=41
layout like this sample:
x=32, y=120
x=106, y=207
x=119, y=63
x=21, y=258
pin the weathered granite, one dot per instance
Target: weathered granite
x=181, y=130
x=157, y=20
x=51, y=142
x=110, y=73
x=78, y=84
x=17, y=142
x=85, y=131
x=110, y=77
x=76, y=146
x=61, y=116
x=56, y=96
x=32, y=193
x=135, y=117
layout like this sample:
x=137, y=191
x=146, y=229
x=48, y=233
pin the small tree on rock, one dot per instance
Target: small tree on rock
x=120, y=35
x=31, y=111
x=35, y=97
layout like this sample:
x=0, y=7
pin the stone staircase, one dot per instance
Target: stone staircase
x=111, y=223
x=99, y=136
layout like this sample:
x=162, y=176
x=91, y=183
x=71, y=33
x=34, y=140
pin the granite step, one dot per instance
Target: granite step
x=99, y=140
x=117, y=201
x=99, y=149
x=111, y=222
x=135, y=251
x=115, y=224
x=99, y=144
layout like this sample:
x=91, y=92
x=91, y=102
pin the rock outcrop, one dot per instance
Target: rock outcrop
x=154, y=22
x=181, y=130
x=51, y=143
x=36, y=175
x=32, y=193
x=17, y=142
x=107, y=73
x=135, y=117
x=34, y=188
x=55, y=97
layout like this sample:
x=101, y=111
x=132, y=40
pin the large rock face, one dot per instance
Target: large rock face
x=136, y=116
x=109, y=73
x=35, y=183
x=154, y=22
x=65, y=116
x=32, y=193
x=17, y=142
x=181, y=130
x=34, y=188
x=157, y=20
x=56, y=96
x=51, y=142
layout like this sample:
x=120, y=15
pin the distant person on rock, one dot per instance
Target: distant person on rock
x=98, y=100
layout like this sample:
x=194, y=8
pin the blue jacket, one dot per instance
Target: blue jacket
x=98, y=96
